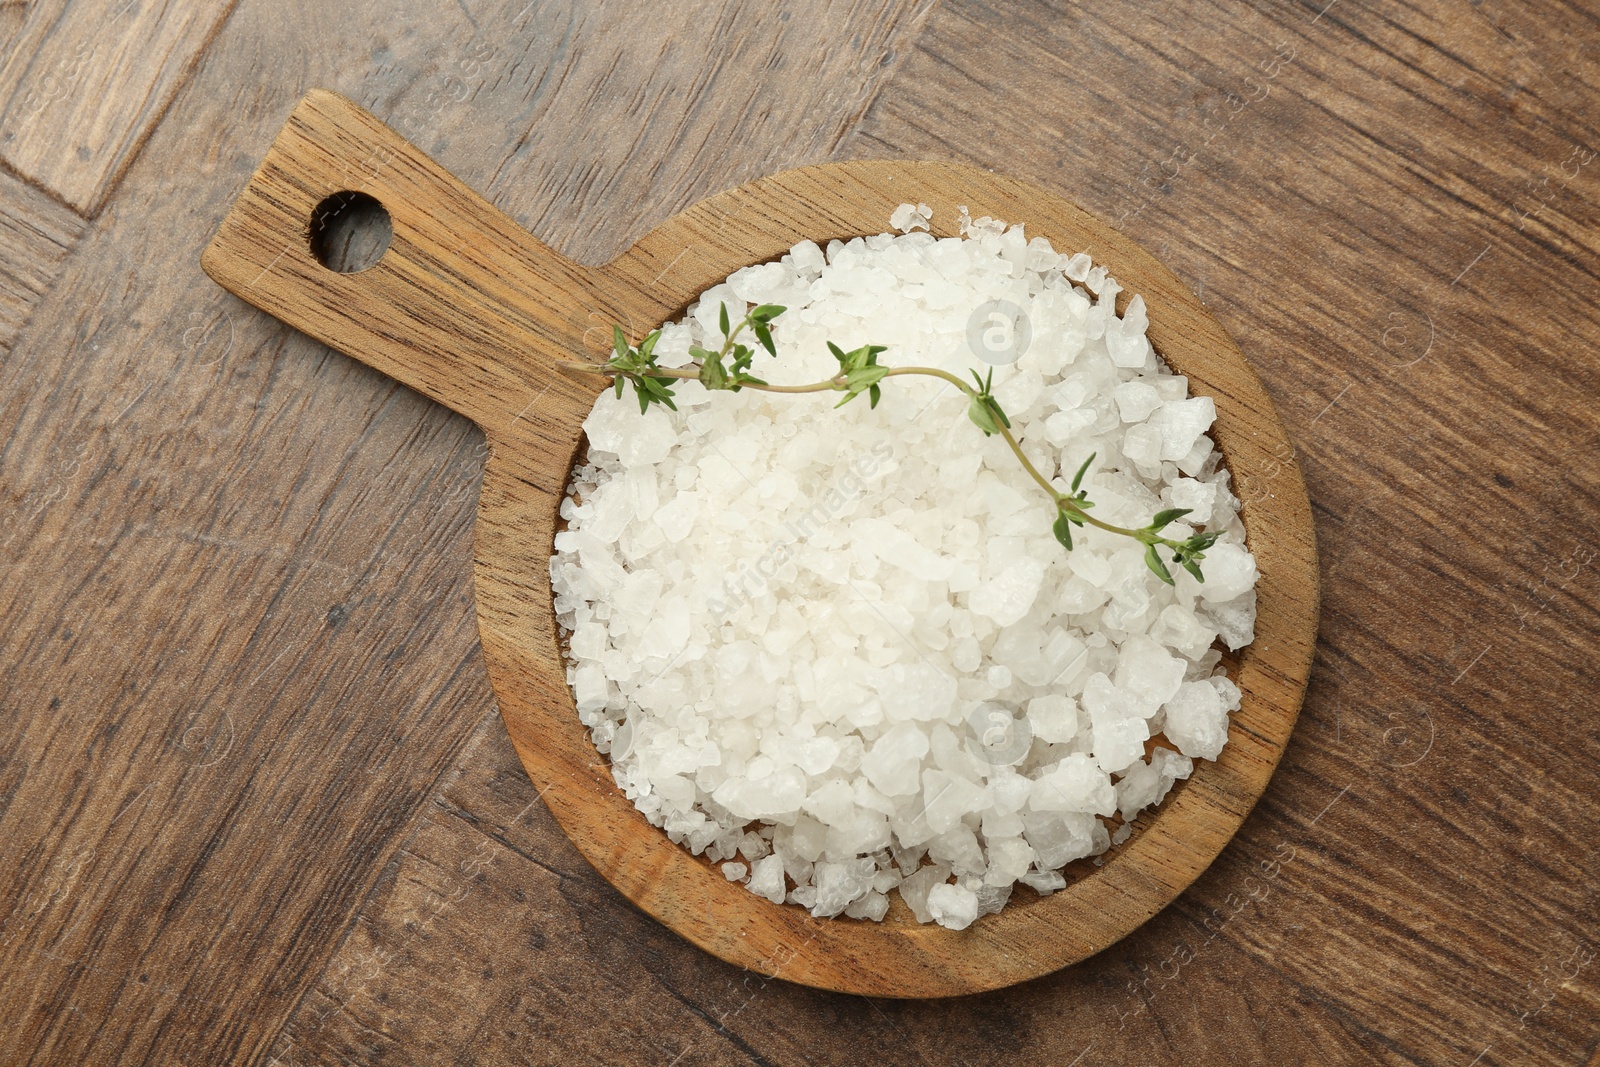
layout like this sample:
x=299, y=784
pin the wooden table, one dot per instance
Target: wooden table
x=256, y=804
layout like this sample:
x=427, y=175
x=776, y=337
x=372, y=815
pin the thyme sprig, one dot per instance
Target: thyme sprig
x=728, y=368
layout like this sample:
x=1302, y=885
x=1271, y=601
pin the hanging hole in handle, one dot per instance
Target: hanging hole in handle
x=350, y=232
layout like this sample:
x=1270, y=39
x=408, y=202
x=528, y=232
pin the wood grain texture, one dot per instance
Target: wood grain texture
x=178, y=589
x=469, y=310
x=165, y=765
x=1374, y=203
x=588, y=129
x=37, y=233
x=490, y=905
x=11, y=14
x=84, y=82
x=1440, y=912
x=1411, y=889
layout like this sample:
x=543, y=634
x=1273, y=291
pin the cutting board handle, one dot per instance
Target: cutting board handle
x=464, y=306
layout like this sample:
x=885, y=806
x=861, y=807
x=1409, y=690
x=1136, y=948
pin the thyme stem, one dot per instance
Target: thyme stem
x=859, y=372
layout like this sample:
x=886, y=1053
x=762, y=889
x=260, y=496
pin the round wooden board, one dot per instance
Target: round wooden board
x=468, y=308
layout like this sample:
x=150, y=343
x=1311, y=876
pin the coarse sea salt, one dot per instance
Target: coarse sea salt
x=839, y=652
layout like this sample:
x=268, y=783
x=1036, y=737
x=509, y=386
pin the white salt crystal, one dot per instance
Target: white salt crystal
x=817, y=755
x=808, y=837
x=1181, y=423
x=952, y=906
x=1009, y=858
x=1180, y=629
x=1126, y=348
x=708, y=310
x=1044, y=882
x=1053, y=717
x=1197, y=720
x=1235, y=619
x=991, y=898
x=833, y=803
x=1147, y=782
x=1136, y=400
x=960, y=849
x=1006, y=598
x=677, y=516
x=589, y=687
x=1059, y=837
x=908, y=217
x=894, y=761
x=636, y=440
x=753, y=846
x=749, y=283
x=1142, y=444
x=946, y=798
x=859, y=833
x=1230, y=570
x=915, y=888
x=1148, y=671
x=1199, y=497
x=1009, y=791
x=808, y=258
x=1120, y=729
x=874, y=906
x=839, y=885
x=1041, y=256
x=782, y=619
x=766, y=879
x=1064, y=427
x=1199, y=460
x=1076, y=783
x=916, y=691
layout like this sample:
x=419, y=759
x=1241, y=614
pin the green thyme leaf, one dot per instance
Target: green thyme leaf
x=648, y=346
x=981, y=416
x=659, y=391
x=1077, y=479
x=1153, y=561
x=727, y=368
x=859, y=380
x=765, y=337
x=712, y=374
x=1063, y=530
x=994, y=405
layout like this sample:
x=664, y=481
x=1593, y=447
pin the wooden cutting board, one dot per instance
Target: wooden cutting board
x=469, y=309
